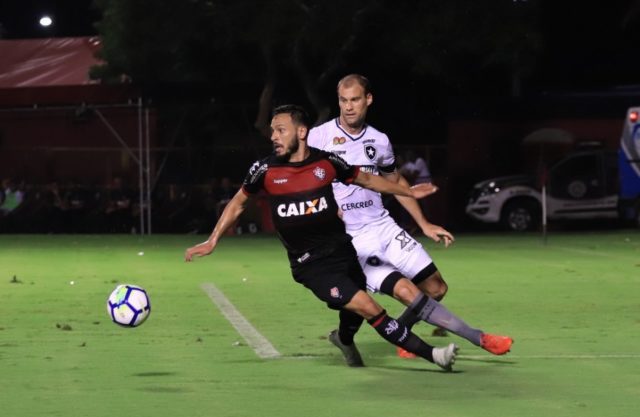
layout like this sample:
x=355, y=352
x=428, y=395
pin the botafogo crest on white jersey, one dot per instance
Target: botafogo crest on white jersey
x=372, y=152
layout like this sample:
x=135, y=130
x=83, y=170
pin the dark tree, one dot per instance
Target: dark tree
x=299, y=48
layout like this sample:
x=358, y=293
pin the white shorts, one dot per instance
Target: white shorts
x=384, y=248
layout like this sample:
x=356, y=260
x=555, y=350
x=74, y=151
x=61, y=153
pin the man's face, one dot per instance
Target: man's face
x=285, y=136
x=353, y=104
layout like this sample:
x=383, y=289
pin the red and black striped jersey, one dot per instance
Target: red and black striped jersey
x=303, y=208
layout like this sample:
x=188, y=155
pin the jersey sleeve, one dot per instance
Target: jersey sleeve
x=387, y=160
x=316, y=137
x=344, y=172
x=254, y=181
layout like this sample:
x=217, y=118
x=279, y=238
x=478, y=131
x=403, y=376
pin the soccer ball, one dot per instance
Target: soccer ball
x=128, y=305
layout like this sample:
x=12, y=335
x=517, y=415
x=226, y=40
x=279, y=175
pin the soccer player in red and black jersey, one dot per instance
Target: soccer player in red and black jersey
x=297, y=179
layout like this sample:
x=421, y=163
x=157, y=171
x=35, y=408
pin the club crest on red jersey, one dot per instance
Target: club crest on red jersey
x=320, y=173
x=335, y=292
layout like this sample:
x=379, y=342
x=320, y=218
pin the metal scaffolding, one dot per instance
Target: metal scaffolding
x=143, y=157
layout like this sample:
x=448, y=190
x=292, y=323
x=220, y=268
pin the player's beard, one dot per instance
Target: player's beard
x=290, y=150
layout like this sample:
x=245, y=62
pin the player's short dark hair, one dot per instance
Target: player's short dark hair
x=350, y=79
x=298, y=114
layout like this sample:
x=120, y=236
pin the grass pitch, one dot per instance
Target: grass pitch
x=571, y=305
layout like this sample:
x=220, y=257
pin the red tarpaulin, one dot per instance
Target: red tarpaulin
x=47, y=62
x=54, y=71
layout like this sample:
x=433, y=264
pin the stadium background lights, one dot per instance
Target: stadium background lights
x=45, y=21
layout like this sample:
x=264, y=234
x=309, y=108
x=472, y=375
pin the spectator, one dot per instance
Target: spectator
x=207, y=212
x=11, y=201
x=415, y=169
x=75, y=204
x=224, y=194
x=118, y=211
x=12, y=196
x=55, y=208
x=172, y=209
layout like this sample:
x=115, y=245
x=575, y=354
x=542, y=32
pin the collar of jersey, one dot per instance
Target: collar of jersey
x=364, y=130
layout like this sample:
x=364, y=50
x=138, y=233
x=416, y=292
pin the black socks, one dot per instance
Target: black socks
x=350, y=322
x=400, y=335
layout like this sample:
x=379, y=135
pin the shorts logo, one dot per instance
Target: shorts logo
x=373, y=261
x=335, y=292
x=404, y=335
x=339, y=140
x=319, y=173
x=403, y=238
x=371, y=152
x=302, y=208
x=280, y=180
x=304, y=257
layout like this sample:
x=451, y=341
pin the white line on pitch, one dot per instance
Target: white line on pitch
x=594, y=356
x=509, y=356
x=263, y=348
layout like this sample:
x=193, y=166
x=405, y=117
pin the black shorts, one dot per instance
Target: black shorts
x=334, y=277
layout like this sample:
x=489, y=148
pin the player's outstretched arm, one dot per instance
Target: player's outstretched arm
x=432, y=231
x=438, y=234
x=409, y=204
x=231, y=213
x=381, y=185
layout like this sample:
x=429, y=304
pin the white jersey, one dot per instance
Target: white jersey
x=372, y=152
x=383, y=247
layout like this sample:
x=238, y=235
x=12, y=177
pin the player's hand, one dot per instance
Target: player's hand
x=423, y=190
x=438, y=234
x=201, y=249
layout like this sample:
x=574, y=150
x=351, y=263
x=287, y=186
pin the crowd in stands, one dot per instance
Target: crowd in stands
x=80, y=207
x=76, y=207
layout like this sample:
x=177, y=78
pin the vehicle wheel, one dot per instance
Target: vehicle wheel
x=520, y=216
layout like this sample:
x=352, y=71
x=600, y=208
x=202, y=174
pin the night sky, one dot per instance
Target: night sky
x=19, y=18
x=586, y=44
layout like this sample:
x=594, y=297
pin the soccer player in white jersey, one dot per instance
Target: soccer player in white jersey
x=394, y=263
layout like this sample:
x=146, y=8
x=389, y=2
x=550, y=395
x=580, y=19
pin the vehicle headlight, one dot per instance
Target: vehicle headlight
x=484, y=191
x=489, y=189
